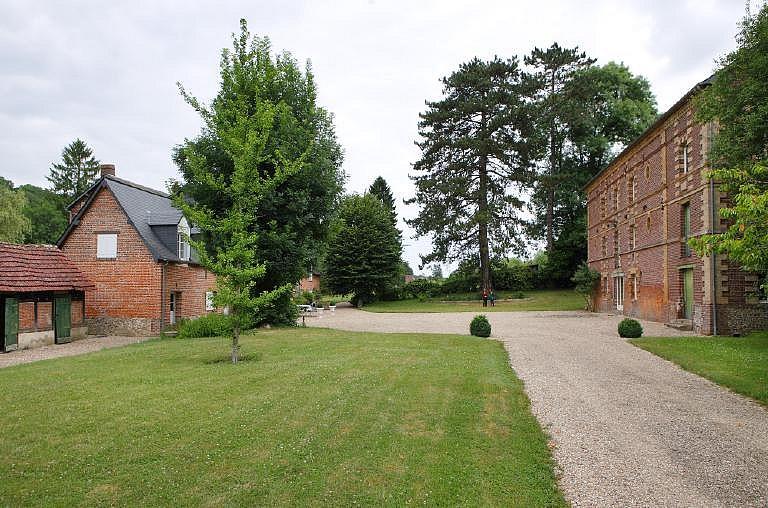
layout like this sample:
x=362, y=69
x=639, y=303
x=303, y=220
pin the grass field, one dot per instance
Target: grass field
x=314, y=417
x=558, y=299
x=738, y=363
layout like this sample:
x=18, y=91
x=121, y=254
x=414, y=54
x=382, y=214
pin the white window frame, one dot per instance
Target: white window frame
x=106, y=245
x=183, y=239
x=209, y=305
x=685, y=158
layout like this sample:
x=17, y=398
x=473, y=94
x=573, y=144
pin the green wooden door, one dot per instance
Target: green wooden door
x=63, y=319
x=688, y=292
x=11, y=324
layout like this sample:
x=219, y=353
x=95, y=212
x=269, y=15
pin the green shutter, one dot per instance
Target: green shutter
x=11, y=328
x=63, y=319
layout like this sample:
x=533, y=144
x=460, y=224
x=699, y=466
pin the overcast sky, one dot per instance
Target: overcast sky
x=106, y=71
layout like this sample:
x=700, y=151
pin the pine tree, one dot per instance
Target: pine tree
x=553, y=68
x=380, y=189
x=474, y=160
x=76, y=172
x=364, y=251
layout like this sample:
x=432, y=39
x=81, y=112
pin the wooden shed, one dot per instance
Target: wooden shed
x=42, y=297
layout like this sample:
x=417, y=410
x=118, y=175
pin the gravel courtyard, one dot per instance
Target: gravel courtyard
x=628, y=428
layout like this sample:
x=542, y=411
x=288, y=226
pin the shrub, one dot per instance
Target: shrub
x=422, y=287
x=211, y=325
x=586, y=281
x=517, y=295
x=480, y=327
x=630, y=329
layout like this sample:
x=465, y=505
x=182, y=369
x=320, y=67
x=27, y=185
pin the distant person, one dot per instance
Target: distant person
x=485, y=297
x=492, y=298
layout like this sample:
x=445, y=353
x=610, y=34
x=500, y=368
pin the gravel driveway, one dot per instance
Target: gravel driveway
x=77, y=347
x=629, y=428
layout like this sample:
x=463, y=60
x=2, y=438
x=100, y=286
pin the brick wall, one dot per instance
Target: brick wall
x=636, y=205
x=127, y=287
x=190, y=283
x=310, y=285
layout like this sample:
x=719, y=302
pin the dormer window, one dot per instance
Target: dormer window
x=183, y=239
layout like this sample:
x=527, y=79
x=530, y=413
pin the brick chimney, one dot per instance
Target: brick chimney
x=107, y=169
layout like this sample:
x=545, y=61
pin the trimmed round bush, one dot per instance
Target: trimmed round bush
x=480, y=327
x=630, y=329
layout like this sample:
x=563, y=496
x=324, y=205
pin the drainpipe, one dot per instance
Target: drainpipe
x=162, y=295
x=713, y=256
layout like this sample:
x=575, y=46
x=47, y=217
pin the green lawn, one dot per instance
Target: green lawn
x=314, y=417
x=558, y=299
x=740, y=364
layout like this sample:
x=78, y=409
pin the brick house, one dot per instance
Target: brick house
x=131, y=243
x=310, y=282
x=641, y=210
x=42, y=297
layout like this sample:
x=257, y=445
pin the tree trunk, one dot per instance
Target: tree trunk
x=485, y=268
x=235, y=344
x=550, y=180
x=550, y=216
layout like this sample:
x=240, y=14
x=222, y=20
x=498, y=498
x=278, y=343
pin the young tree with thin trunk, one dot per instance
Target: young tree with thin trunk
x=474, y=160
x=243, y=130
x=76, y=172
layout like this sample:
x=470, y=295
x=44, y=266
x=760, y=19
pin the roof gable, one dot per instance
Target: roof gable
x=149, y=211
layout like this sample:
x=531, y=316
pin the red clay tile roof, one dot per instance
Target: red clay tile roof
x=30, y=268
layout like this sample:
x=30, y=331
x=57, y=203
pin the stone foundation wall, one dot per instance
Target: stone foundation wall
x=29, y=340
x=132, y=327
x=742, y=319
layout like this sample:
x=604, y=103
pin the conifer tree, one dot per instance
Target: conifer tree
x=364, y=251
x=76, y=172
x=380, y=189
x=553, y=69
x=474, y=160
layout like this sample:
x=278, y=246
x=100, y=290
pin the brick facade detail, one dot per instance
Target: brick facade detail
x=637, y=211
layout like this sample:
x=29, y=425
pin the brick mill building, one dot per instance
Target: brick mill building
x=643, y=208
x=130, y=241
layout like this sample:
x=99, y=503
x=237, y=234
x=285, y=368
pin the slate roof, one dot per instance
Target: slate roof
x=147, y=209
x=34, y=268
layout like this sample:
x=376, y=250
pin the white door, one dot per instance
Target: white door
x=618, y=292
x=172, y=308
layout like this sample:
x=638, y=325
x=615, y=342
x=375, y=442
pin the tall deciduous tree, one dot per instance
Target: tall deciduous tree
x=380, y=189
x=737, y=101
x=46, y=213
x=13, y=224
x=364, y=250
x=291, y=222
x=474, y=158
x=76, y=172
x=241, y=125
